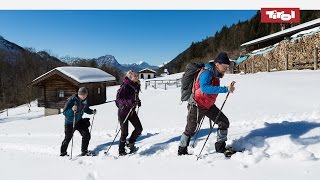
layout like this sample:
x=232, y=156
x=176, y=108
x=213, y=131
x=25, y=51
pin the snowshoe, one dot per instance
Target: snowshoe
x=64, y=154
x=229, y=152
x=132, y=148
x=123, y=153
x=87, y=153
x=183, y=151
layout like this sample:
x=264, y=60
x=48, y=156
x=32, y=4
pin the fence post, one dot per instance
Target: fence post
x=315, y=58
x=245, y=68
x=231, y=68
x=165, y=86
x=252, y=67
x=286, y=62
x=268, y=66
x=155, y=84
x=146, y=84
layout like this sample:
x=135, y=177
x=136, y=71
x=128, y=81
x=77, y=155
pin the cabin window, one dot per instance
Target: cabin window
x=61, y=93
x=99, y=91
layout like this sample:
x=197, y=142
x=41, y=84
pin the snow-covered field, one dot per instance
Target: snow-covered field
x=275, y=116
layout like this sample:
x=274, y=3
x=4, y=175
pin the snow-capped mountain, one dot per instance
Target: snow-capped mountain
x=8, y=46
x=110, y=60
x=140, y=65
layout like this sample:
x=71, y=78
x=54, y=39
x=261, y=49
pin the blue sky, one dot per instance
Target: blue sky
x=130, y=36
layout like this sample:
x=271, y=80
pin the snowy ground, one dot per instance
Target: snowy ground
x=275, y=116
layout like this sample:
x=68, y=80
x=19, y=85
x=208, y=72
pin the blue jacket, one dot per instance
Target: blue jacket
x=205, y=82
x=82, y=107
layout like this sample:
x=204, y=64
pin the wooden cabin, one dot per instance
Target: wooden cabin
x=277, y=37
x=147, y=74
x=61, y=83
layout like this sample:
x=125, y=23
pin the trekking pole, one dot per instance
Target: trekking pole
x=125, y=120
x=92, y=124
x=74, y=123
x=198, y=129
x=117, y=127
x=211, y=129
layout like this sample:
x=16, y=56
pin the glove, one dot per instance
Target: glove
x=136, y=103
x=231, y=88
x=94, y=111
x=74, y=108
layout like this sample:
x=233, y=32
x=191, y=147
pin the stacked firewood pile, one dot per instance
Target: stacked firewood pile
x=295, y=54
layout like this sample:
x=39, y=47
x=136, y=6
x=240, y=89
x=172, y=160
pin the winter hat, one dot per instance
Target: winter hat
x=222, y=58
x=83, y=91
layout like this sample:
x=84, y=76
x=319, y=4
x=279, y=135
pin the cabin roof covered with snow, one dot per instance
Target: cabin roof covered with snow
x=147, y=71
x=286, y=32
x=78, y=74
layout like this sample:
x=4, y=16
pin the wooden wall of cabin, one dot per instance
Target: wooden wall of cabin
x=53, y=85
x=97, y=93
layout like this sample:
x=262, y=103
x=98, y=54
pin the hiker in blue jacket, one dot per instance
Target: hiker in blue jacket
x=73, y=110
x=206, y=89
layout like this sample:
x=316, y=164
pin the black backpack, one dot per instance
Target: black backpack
x=118, y=101
x=188, y=78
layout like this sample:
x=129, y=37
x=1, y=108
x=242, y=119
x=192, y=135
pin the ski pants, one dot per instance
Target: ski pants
x=195, y=115
x=82, y=127
x=135, y=121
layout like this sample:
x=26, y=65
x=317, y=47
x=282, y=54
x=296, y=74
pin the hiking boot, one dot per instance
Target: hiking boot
x=64, y=154
x=122, y=150
x=220, y=147
x=183, y=151
x=84, y=153
x=87, y=153
x=122, y=153
x=132, y=147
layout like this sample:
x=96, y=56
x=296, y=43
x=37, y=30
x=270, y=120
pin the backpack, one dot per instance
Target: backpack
x=188, y=78
x=118, y=101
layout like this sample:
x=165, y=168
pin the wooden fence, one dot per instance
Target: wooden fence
x=163, y=84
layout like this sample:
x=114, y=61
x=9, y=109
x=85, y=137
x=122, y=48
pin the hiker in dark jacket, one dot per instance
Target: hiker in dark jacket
x=127, y=101
x=205, y=91
x=73, y=110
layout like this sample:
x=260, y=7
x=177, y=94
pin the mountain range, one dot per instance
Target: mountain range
x=108, y=60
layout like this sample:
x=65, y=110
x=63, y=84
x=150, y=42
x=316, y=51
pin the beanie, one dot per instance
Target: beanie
x=222, y=58
x=83, y=91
